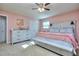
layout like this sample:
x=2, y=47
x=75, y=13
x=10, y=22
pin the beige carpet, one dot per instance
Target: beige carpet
x=18, y=50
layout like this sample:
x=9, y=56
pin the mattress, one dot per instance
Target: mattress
x=57, y=43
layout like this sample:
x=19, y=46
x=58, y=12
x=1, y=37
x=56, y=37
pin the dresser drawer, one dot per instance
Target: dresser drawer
x=16, y=40
x=16, y=36
x=23, y=37
x=20, y=31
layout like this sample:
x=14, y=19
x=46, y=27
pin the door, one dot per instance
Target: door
x=2, y=29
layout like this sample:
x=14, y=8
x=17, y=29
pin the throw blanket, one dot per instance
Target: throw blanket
x=60, y=36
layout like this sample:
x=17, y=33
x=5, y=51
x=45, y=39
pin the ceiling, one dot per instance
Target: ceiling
x=26, y=9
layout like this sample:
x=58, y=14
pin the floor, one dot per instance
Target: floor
x=19, y=50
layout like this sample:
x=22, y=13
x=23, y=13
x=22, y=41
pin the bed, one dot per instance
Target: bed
x=55, y=46
x=59, y=40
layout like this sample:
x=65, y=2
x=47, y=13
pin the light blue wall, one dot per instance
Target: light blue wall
x=34, y=27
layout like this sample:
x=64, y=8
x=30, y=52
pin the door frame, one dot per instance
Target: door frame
x=6, y=29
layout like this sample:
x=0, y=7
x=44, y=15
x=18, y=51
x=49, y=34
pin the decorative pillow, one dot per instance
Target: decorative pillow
x=66, y=30
x=54, y=30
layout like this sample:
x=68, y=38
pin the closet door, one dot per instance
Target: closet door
x=2, y=29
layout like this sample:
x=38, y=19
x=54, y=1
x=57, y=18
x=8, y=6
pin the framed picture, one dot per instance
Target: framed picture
x=20, y=23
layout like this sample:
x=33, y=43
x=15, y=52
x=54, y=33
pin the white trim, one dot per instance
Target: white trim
x=7, y=41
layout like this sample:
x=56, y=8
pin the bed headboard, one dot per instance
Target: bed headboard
x=65, y=27
x=61, y=30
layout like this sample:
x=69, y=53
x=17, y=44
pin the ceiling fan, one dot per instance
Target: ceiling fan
x=41, y=7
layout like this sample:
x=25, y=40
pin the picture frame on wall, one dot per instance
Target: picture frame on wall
x=20, y=23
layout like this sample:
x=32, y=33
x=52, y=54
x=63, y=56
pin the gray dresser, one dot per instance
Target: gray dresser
x=20, y=35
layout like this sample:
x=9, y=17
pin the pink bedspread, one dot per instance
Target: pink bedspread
x=60, y=36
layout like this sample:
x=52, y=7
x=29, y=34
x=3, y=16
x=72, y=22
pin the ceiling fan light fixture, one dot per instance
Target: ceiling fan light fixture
x=41, y=9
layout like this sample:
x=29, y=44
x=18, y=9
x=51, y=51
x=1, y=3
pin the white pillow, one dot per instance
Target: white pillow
x=66, y=30
x=54, y=30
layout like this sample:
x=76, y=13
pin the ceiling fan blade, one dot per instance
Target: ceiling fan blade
x=37, y=4
x=34, y=8
x=47, y=4
x=46, y=9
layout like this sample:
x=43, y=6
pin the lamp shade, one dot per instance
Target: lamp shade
x=50, y=24
x=72, y=23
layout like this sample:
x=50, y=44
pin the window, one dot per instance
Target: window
x=46, y=24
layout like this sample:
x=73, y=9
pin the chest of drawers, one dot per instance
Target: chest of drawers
x=20, y=35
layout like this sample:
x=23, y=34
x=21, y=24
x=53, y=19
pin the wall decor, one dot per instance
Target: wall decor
x=20, y=23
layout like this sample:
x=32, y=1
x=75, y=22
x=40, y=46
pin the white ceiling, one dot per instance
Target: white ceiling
x=26, y=9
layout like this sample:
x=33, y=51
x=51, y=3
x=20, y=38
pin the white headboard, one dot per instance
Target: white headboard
x=61, y=30
x=64, y=27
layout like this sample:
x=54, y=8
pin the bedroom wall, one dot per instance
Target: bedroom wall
x=34, y=27
x=74, y=15
x=12, y=21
